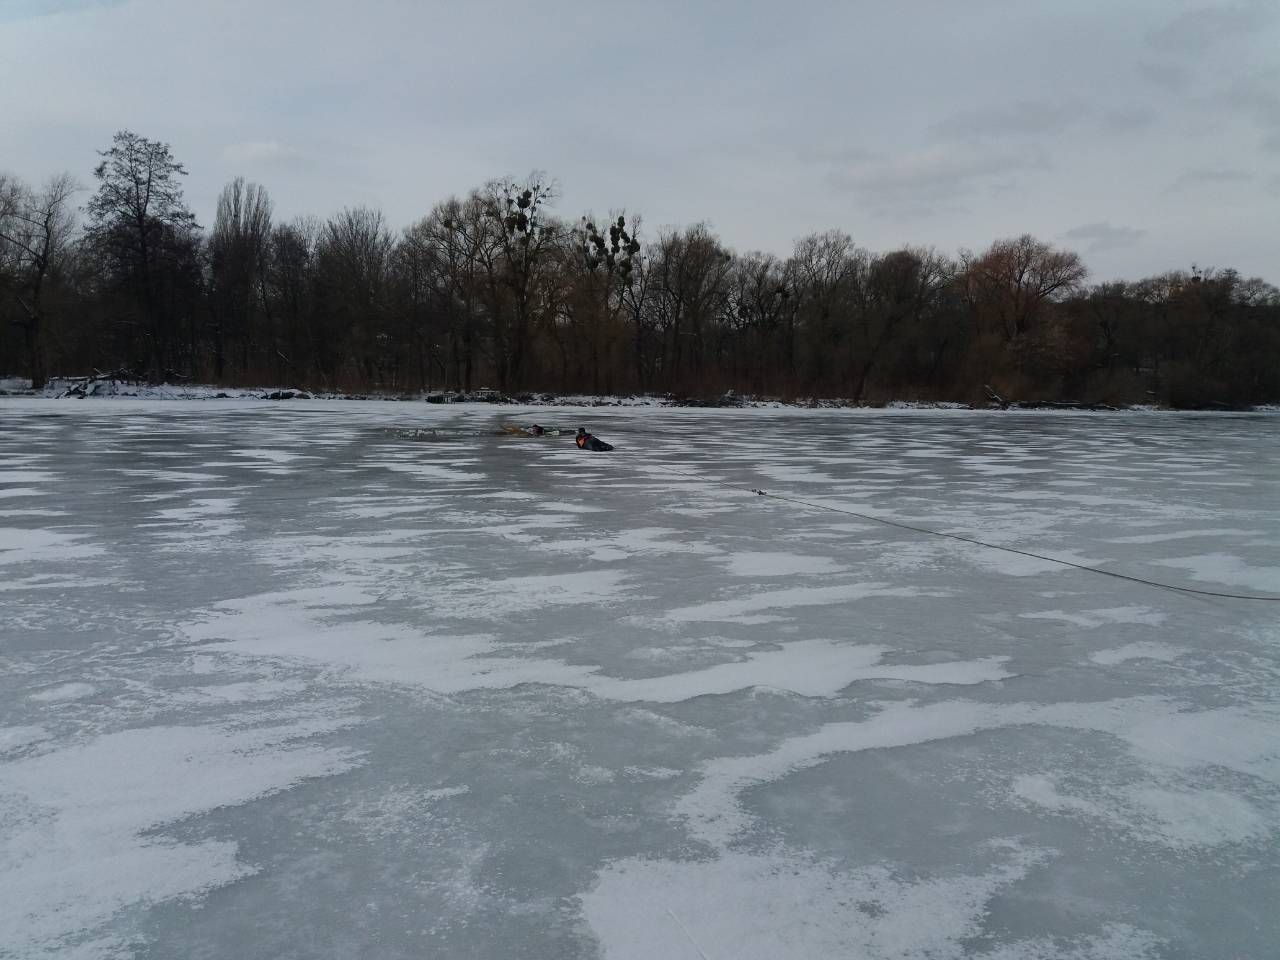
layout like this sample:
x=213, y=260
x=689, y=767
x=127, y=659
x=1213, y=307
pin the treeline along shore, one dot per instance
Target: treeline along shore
x=496, y=290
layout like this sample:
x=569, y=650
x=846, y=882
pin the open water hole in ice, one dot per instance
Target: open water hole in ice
x=298, y=681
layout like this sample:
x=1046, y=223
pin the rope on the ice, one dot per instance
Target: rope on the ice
x=981, y=543
x=685, y=930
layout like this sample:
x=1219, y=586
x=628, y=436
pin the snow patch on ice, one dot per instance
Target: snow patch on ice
x=1042, y=791
x=54, y=582
x=246, y=691
x=65, y=691
x=79, y=851
x=1180, y=819
x=19, y=545
x=296, y=626
x=1242, y=739
x=15, y=738
x=1213, y=532
x=393, y=809
x=27, y=476
x=425, y=471
x=1225, y=568
x=785, y=904
x=1236, y=738
x=728, y=610
x=201, y=508
x=1091, y=619
x=271, y=456
x=810, y=668
x=779, y=565
x=1016, y=565
x=11, y=492
x=569, y=508
x=1144, y=650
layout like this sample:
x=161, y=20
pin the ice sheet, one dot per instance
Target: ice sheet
x=281, y=681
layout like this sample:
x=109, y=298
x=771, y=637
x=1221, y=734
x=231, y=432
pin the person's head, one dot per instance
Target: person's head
x=582, y=431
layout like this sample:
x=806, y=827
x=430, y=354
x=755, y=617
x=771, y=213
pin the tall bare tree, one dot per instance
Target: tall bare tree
x=601, y=270
x=238, y=253
x=1013, y=280
x=527, y=237
x=36, y=229
x=353, y=273
x=690, y=274
x=290, y=288
x=138, y=219
x=465, y=252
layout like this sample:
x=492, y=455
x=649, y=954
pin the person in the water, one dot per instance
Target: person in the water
x=586, y=441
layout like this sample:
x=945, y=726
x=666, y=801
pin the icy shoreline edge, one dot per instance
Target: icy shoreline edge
x=60, y=388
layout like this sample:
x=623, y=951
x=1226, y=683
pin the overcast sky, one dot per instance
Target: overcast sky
x=1144, y=134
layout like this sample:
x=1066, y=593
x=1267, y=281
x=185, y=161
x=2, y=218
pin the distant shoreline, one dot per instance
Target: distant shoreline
x=68, y=388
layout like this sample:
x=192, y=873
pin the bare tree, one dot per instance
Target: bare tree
x=901, y=289
x=759, y=297
x=35, y=229
x=238, y=253
x=290, y=287
x=467, y=278
x=527, y=237
x=828, y=272
x=601, y=267
x=137, y=218
x=1015, y=279
x=689, y=271
x=353, y=264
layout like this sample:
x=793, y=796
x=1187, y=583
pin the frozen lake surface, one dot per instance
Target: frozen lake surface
x=277, y=682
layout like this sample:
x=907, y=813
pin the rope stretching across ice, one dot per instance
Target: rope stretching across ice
x=973, y=540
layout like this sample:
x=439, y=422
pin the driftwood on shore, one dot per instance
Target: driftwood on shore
x=1006, y=404
x=85, y=386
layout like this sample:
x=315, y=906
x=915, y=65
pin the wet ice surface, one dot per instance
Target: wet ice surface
x=276, y=682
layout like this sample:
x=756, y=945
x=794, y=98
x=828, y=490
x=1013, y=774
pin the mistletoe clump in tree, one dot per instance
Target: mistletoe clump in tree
x=608, y=259
x=617, y=254
x=527, y=239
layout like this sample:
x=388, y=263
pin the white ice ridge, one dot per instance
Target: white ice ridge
x=74, y=849
x=1240, y=739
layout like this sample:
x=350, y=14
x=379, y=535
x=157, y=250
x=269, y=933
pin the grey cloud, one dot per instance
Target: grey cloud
x=17, y=10
x=760, y=122
x=1207, y=176
x=1197, y=30
x=1024, y=118
x=252, y=155
x=838, y=156
x=1258, y=96
x=1168, y=76
x=1103, y=236
x=935, y=179
x=1127, y=119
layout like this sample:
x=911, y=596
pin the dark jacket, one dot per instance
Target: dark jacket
x=586, y=441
